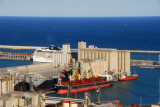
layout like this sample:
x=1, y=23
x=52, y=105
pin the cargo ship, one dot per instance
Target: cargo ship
x=125, y=78
x=82, y=85
x=78, y=82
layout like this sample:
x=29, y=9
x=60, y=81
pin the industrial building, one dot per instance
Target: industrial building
x=22, y=99
x=6, y=83
x=110, y=59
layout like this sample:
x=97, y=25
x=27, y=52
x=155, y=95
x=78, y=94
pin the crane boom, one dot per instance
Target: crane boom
x=66, y=67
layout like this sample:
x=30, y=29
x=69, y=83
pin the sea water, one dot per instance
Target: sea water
x=129, y=33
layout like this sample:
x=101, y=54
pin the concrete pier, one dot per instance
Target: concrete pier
x=144, y=51
x=20, y=47
x=26, y=47
x=41, y=71
x=74, y=50
x=145, y=64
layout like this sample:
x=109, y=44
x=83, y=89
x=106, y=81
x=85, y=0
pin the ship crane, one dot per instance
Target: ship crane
x=91, y=73
x=99, y=71
x=66, y=67
x=75, y=71
x=84, y=71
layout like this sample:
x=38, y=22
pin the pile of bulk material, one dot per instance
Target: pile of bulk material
x=48, y=84
x=22, y=86
x=45, y=85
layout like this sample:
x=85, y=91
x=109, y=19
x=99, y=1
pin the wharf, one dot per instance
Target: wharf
x=26, y=47
x=74, y=50
x=144, y=51
x=38, y=72
x=143, y=61
x=15, y=56
x=148, y=64
x=20, y=47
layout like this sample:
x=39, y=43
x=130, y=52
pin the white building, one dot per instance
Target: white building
x=53, y=54
x=6, y=83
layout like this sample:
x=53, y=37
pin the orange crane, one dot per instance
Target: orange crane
x=66, y=67
x=75, y=70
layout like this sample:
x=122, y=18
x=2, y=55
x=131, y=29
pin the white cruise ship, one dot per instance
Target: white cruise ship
x=53, y=54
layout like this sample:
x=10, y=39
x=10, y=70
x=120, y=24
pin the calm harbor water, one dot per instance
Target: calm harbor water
x=129, y=92
x=129, y=33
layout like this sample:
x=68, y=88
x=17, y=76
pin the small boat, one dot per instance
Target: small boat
x=106, y=76
x=124, y=78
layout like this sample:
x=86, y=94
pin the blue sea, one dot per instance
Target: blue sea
x=129, y=33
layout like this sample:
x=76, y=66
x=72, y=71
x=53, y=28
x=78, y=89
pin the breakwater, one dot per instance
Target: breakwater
x=19, y=47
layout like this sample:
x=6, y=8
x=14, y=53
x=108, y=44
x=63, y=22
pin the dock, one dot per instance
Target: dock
x=144, y=51
x=20, y=47
x=148, y=64
x=26, y=47
x=36, y=47
x=16, y=56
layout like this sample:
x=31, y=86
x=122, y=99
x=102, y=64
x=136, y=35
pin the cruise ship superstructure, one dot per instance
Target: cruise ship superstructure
x=53, y=54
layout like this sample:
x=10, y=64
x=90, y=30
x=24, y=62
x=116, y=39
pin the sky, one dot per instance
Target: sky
x=80, y=8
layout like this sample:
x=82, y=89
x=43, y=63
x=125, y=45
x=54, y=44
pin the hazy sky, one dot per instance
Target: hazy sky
x=80, y=8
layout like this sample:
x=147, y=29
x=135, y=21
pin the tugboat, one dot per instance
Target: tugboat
x=125, y=78
x=106, y=76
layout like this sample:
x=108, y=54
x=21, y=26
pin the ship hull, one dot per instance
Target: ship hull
x=83, y=85
x=134, y=77
x=103, y=78
x=76, y=90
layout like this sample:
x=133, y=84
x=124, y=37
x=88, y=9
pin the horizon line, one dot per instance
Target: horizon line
x=80, y=16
